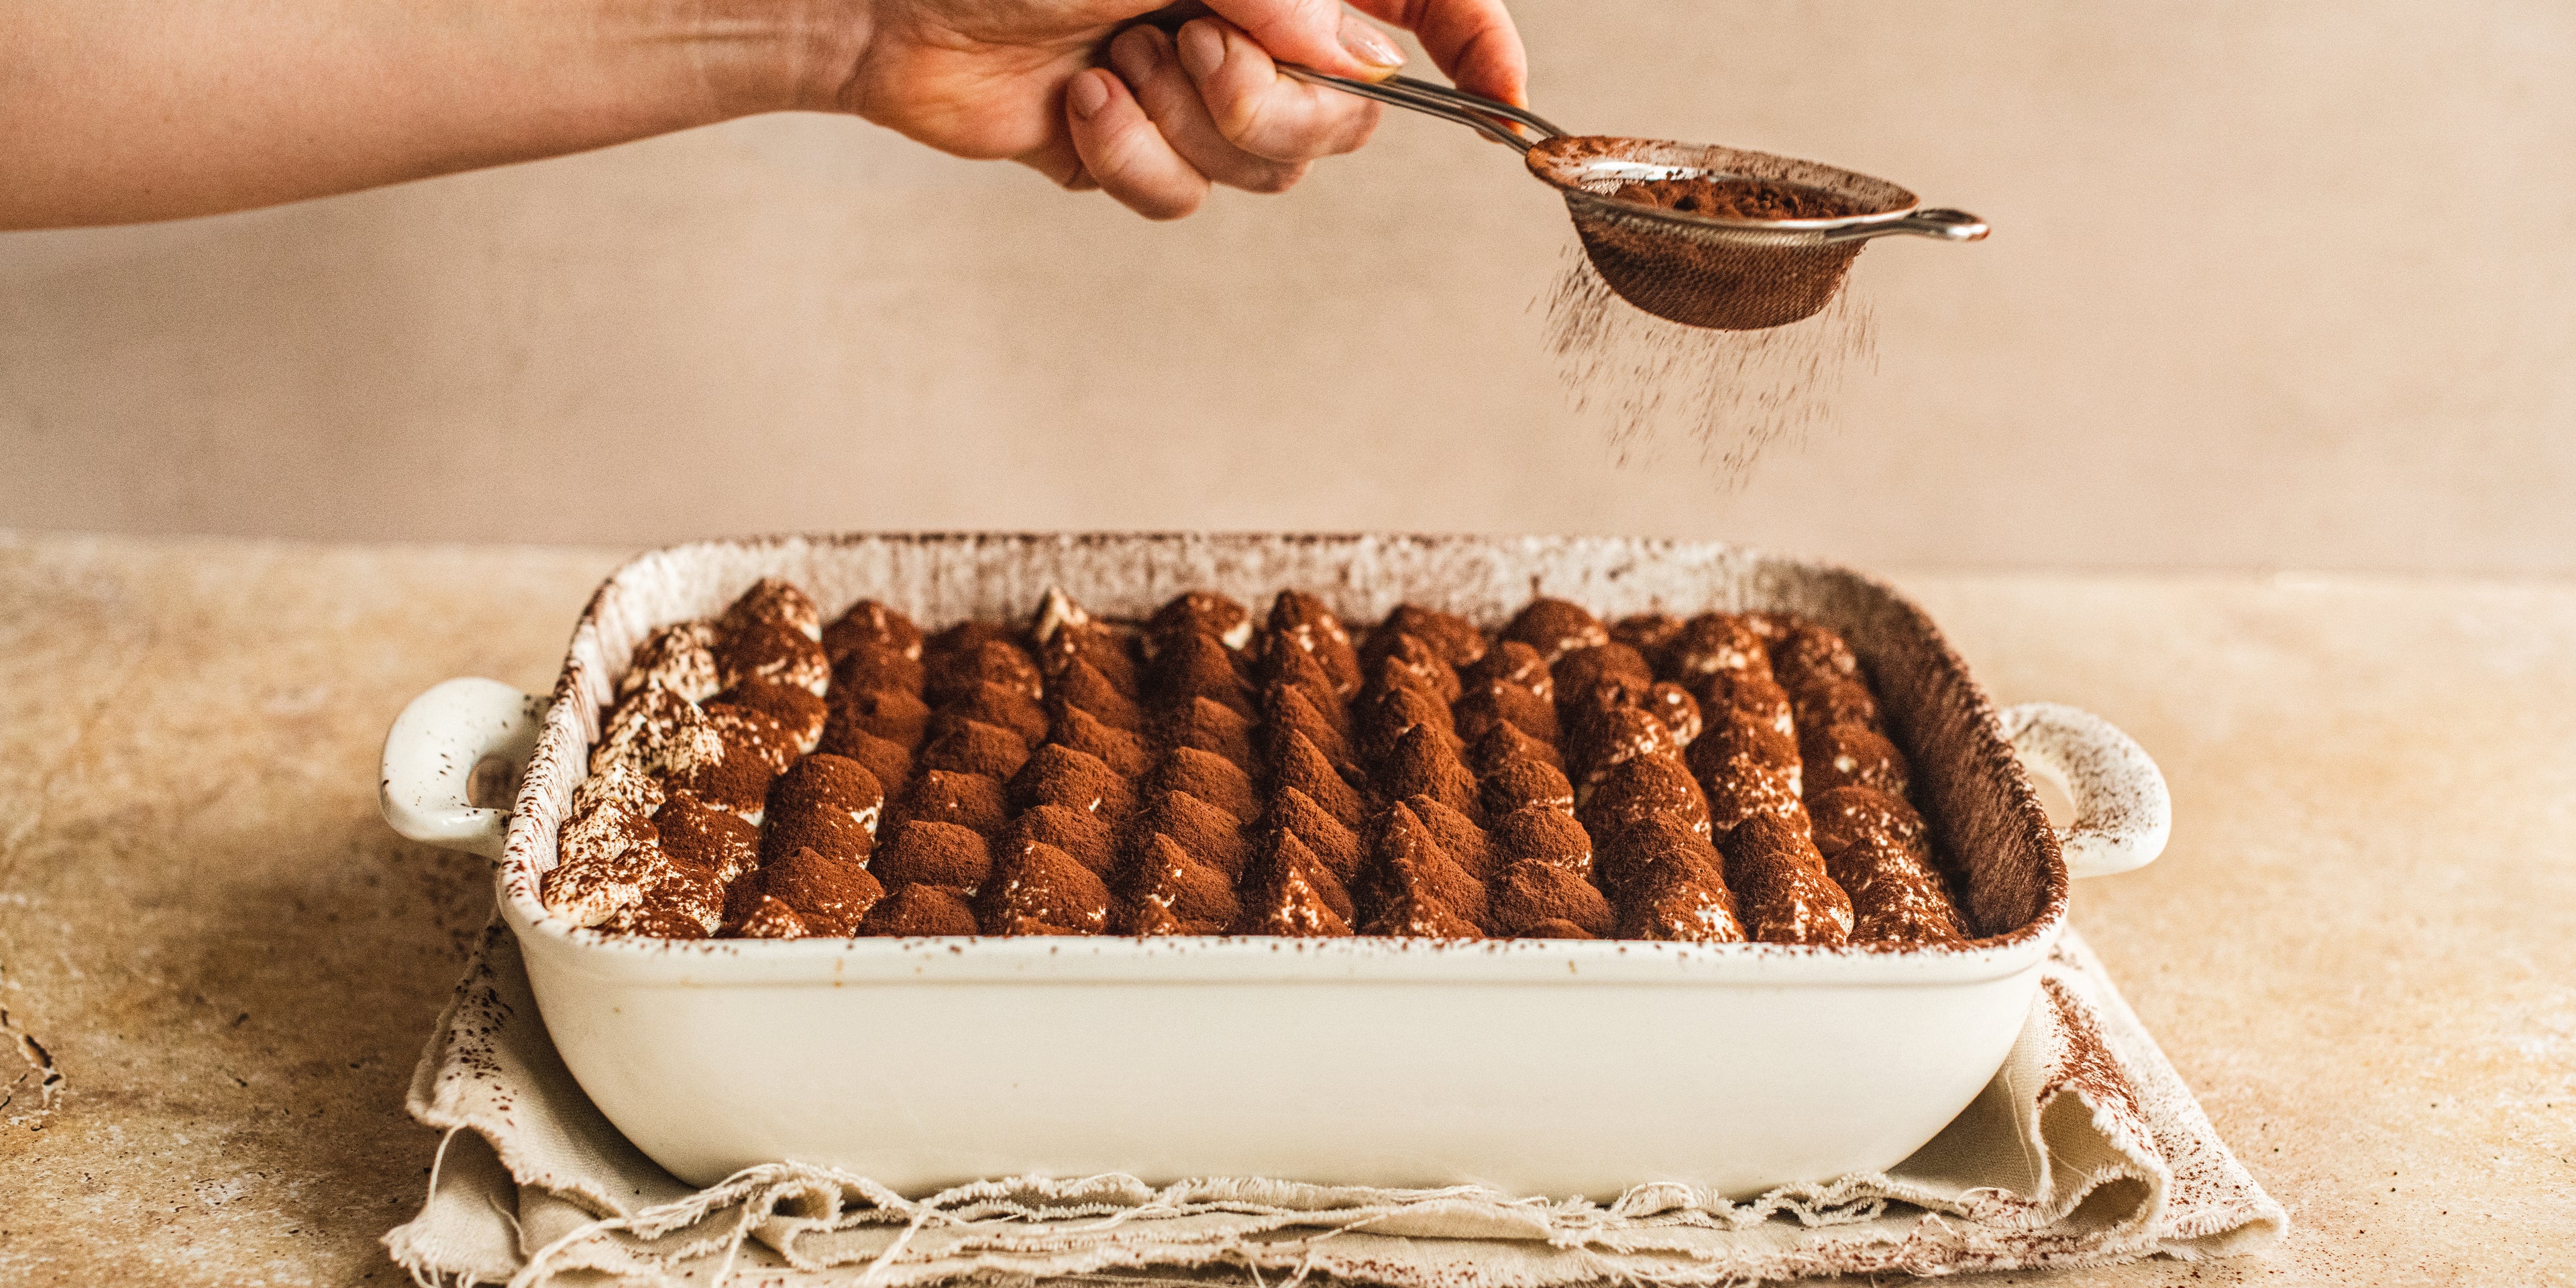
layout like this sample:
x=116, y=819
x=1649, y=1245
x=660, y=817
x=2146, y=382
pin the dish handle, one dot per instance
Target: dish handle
x=2123, y=812
x=431, y=754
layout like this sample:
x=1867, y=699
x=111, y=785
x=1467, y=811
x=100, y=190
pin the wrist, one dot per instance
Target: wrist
x=777, y=55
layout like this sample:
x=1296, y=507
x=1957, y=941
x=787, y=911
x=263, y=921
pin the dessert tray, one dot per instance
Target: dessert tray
x=1558, y=1066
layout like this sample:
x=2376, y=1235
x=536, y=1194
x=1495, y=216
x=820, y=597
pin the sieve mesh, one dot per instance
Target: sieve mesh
x=1695, y=269
x=1734, y=275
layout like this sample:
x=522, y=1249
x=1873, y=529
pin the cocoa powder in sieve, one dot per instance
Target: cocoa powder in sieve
x=1737, y=198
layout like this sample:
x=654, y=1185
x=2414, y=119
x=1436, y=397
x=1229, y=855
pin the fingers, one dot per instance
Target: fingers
x=1317, y=33
x=1211, y=105
x=1256, y=110
x=1177, y=116
x=1148, y=61
x=1057, y=160
x=1473, y=41
x=1124, y=152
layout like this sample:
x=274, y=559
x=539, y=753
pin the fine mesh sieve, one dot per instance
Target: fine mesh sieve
x=1699, y=270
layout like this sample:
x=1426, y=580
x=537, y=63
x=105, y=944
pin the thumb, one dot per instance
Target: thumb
x=1319, y=33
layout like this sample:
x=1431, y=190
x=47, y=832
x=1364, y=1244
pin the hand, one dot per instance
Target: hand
x=113, y=113
x=1172, y=112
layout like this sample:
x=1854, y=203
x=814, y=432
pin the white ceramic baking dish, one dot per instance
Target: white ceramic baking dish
x=1547, y=1068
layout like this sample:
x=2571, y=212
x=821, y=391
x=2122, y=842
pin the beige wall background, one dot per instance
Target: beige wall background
x=2285, y=284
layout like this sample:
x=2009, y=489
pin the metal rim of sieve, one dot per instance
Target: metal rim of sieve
x=1651, y=263
x=1714, y=272
x=1588, y=168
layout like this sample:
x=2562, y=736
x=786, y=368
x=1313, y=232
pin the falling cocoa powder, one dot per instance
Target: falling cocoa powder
x=1651, y=386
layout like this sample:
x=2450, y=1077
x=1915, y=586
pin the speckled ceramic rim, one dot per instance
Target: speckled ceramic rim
x=573, y=714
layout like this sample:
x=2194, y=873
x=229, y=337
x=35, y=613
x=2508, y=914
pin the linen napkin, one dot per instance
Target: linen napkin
x=2085, y=1149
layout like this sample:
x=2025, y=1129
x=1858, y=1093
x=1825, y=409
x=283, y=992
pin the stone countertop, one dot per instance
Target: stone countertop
x=2360, y=948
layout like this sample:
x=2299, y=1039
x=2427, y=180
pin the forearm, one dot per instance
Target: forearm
x=117, y=111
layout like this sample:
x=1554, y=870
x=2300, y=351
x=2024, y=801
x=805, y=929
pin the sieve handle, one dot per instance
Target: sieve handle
x=1492, y=118
x=1948, y=225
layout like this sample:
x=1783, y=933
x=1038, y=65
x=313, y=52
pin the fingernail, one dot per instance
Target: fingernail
x=1202, y=49
x=1369, y=45
x=1135, y=53
x=1087, y=95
